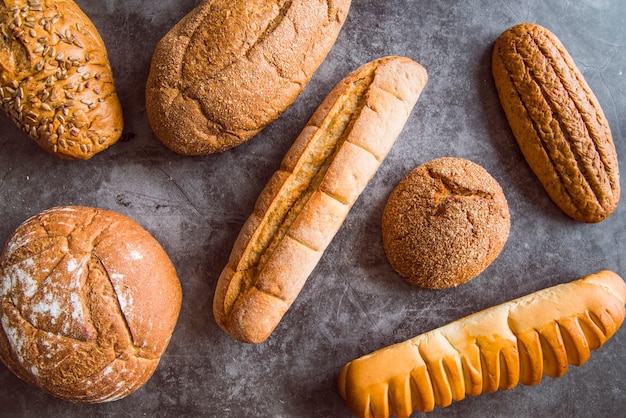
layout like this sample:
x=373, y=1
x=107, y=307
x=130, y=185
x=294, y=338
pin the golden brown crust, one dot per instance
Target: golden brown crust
x=88, y=303
x=557, y=121
x=211, y=90
x=444, y=223
x=307, y=199
x=495, y=349
x=55, y=78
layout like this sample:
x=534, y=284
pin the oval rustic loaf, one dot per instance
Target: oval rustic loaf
x=55, y=78
x=231, y=67
x=557, y=121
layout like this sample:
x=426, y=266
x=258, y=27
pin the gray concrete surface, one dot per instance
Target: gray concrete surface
x=353, y=303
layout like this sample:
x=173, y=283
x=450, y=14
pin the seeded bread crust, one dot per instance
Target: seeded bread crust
x=88, y=303
x=496, y=349
x=444, y=223
x=307, y=199
x=55, y=78
x=229, y=68
x=557, y=122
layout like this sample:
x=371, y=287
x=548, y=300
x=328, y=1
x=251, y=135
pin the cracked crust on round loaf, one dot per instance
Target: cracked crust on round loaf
x=88, y=303
x=444, y=223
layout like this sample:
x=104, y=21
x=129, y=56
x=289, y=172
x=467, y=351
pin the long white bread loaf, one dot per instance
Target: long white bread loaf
x=306, y=201
x=515, y=342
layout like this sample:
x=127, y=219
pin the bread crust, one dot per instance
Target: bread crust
x=56, y=81
x=229, y=68
x=88, y=303
x=306, y=201
x=495, y=349
x=444, y=223
x=557, y=122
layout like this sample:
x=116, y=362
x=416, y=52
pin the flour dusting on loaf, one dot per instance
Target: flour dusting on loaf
x=88, y=303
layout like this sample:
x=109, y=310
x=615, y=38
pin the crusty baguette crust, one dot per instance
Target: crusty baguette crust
x=56, y=82
x=557, y=122
x=209, y=90
x=306, y=201
x=515, y=342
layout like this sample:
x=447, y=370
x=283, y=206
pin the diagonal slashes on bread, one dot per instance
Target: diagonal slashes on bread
x=306, y=201
x=229, y=68
x=496, y=349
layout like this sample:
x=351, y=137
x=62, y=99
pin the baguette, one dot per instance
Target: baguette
x=557, y=122
x=515, y=342
x=306, y=201
x=56, y=82
x=231, y=67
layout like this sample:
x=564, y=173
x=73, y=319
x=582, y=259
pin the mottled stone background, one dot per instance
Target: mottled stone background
x=353, y=303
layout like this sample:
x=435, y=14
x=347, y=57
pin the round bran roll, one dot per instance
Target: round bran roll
x=444, y=223
x=88, y=303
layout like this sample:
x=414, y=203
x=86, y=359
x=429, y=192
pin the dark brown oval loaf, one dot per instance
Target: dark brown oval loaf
x=55, y=78
x=231, y=67
x=557, y=121
x=88, y=303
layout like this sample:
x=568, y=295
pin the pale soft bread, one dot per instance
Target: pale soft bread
x=515, y=342
x=231, y=67
x=557, y=122
x=56, y=82
x=306, y=201
x=88, y=303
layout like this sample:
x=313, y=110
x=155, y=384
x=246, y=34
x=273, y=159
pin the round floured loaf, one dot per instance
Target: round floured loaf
x=444, y=223
x=88, y=303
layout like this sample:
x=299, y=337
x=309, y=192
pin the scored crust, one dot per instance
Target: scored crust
x=88, y=303
x=444, y=223
x=496, y=349
x=306, y=201
x=229, y=68
x=557, y=122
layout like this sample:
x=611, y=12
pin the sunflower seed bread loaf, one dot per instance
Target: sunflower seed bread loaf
x=306, y=201
x=231, y=67
x=557, y=122
x=496, y=349
x=88, y=303
x=56, y=82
